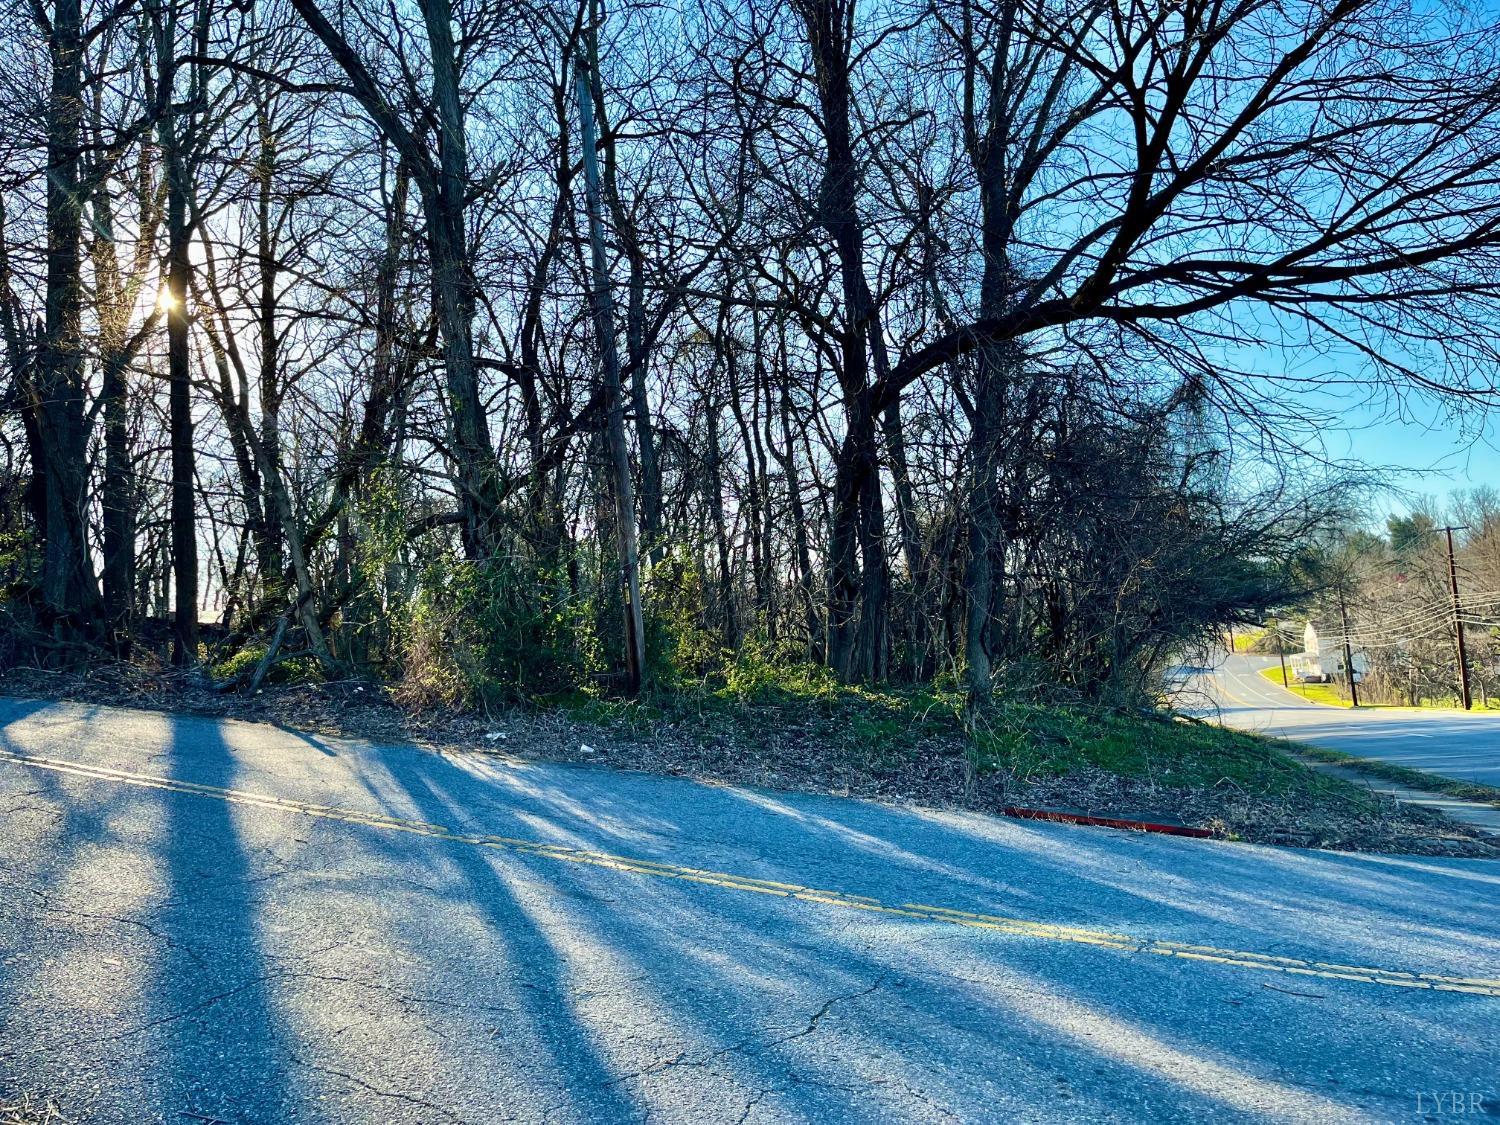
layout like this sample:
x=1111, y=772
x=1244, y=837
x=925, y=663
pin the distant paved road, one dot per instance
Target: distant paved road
x=1454, y=743
x=213, y=921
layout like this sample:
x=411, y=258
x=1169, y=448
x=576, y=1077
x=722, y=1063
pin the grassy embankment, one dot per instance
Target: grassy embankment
x=1330, y=695
x=1025, y=749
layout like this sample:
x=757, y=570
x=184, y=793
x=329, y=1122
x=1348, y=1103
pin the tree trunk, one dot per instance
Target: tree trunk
x=857, y=593
x=713, y=500
x=787, y=459
x=444, y=187
x=893, y=430
x=636, y=347
x=981, y=511
x=614, y=405
x=70, y=593
x=114, y=297
x=754, y=502
x=184, y=525
x=453, y=281
x=997, y=361
x=270, y=542
x=858, y=574
x=179, y=375
x=119, y=506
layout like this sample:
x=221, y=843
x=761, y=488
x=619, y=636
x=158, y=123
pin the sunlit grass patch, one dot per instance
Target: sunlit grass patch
x=1334, y=695
x=1245, y=639
x=1030, y=740
x=1331, y=695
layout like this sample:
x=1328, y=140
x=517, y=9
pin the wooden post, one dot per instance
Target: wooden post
x=1458, y=625
x=1348, y=654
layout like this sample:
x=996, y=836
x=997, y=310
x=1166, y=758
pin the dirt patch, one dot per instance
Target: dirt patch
x=769, y=751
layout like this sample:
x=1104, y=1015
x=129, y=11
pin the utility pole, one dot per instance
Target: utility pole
x=1348, y=655
x=1280, y=651
x=1458, y=623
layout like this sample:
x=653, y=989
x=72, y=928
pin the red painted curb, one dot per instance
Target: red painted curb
x=1106, y=822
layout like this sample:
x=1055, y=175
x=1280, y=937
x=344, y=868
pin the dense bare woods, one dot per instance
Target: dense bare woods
x=502, y=348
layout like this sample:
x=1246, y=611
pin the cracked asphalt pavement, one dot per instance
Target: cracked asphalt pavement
x=215, y=921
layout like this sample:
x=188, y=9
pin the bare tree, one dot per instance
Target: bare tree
x=442, y=177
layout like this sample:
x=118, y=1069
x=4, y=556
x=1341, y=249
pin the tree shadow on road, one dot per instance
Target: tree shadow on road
x=148, y=906
x=215, y=1031
x=408, y=977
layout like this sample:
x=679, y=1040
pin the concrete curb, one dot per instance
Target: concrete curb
x=1106, y=822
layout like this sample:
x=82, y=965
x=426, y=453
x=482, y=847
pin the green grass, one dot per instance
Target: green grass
x=748, y=705
x=301, y=668
x=1029, y=740
x=1330, y=695
x=1406, y=775
x=1246, y=638
x=1333, y=695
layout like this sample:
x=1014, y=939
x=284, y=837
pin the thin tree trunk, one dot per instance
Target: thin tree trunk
x=184, y=526
x=983, y=519
x=118, y=500
x=760, y=425
x=893, y=430
x=604, y=329
x=114, y=298
x=713, y=500
x=267, y=469
x=444, y=187
x=177, y=140
x=21, y=352
x=544, y=491
x=787, y=459
x=378, y=440
x=270, y=541
x=754, y=502
x=636, y=346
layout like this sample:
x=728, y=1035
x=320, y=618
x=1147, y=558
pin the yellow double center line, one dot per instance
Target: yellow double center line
x=1041, y=930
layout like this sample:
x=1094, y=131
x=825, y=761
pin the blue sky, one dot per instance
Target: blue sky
x=1426, y=444
x=1429, y=453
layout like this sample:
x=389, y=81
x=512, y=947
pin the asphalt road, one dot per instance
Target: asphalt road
x=210, y=921
x=1454, y=743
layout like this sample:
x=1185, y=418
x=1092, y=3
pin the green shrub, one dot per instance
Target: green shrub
x=503, y=631
x=680, y=647
x=761, y=672
x=300, y=669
